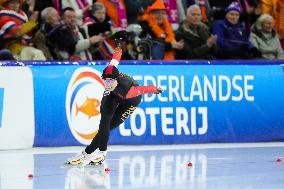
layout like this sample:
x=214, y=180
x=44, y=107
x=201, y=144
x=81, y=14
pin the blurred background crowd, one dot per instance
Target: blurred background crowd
x=147, y=29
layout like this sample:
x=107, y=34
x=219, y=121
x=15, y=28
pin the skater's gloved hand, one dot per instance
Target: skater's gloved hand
x=159, y=90
x=117, y=54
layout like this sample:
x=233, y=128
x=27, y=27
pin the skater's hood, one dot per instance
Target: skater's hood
x=110, y=72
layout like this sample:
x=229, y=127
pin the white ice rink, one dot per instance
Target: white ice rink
x=214, y=166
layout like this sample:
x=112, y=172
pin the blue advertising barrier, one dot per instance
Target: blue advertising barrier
x=202, y=102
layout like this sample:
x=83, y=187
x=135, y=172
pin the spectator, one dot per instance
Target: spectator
x=83, y=41
x=99, y=24
x=68, y=15
x=50, y=20
x=248, y=10
x=81, y=8
x=232, y=42
x=5, y=54
x=265, y=38
x=155, y=23
x=16, y=31
x=276, y=9
x=205, y=9
x=198, y=44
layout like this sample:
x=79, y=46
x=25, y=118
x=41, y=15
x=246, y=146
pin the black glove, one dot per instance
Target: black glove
x=119, y=37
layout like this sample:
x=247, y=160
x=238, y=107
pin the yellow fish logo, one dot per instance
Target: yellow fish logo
x=89, y=107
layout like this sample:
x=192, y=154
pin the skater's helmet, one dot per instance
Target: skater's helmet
x=110, y=72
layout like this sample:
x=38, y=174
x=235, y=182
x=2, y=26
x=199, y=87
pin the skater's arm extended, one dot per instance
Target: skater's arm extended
x=116, y=57
x=139, y=90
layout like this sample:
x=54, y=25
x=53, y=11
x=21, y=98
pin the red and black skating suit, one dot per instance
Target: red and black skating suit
x=116, y=107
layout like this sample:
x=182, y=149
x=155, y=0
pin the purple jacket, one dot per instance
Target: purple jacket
x=231, y=37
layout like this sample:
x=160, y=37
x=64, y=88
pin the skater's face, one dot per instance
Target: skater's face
x=110, y=84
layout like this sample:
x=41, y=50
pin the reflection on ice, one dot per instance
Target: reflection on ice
x=164, y=170
x=87, y=177
x=214, y=168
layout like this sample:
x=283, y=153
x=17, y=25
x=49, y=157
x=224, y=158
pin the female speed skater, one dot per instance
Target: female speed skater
x=121, y=97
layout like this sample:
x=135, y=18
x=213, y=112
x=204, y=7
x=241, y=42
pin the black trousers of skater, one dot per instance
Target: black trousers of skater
x=114, y=111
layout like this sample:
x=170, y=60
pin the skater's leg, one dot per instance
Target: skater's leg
x=122, y=112
x=107, y=109
x=102, y=141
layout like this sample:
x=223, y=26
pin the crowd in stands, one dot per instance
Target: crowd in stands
x=148, y=29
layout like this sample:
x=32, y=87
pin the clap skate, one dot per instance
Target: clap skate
x=96, y=159
x=77, y=159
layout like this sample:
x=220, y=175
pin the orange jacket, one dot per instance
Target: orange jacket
x=112, y=11
x=276, y=9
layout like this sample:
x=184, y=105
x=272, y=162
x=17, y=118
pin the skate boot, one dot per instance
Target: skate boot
x=98, y=159
x=78, y=158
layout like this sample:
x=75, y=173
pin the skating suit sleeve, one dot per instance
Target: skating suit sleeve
x=139, y=90
x=128, y=88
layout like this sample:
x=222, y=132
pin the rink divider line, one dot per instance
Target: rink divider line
x=117, y=148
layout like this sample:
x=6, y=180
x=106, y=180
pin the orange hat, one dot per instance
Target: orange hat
x=157, y=5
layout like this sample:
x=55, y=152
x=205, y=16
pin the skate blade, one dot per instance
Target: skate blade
x=95, y=163
x=68, y=163
x=101, y=162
